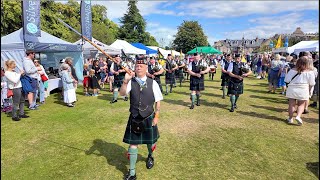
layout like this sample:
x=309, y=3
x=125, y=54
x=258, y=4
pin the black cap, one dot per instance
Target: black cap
x=118, y=55
x=169, y=54
x=195, y=54
x=237, y=55
x=228, y=54
x=151, y=57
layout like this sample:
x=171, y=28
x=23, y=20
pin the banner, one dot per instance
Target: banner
x=279, y=42
x=31, y=18
x=86, y=19
x=286, y=42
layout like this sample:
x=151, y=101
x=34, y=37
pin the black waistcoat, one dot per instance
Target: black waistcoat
x=141, y=102
x=226, y=65
x=236, y=71
x=150, y=70
x=196, y=69
x=117, y=67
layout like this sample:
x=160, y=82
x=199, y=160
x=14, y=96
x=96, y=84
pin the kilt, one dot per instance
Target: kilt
x=149, y=136
x=225, y=80
x=158, y=80
x=170, y=78
x=196, y=84
x=235, y=88
x=118, y=80
x=179, y=74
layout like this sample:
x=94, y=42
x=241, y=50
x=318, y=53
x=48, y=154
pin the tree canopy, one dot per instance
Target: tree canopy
x=190, y=34
x=103, y=29
x=133, y=28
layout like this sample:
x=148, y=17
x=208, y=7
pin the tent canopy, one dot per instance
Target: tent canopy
x=143, y=47
x=127, y=47
x=205, y=50
x=304, y=46
x=87, y=47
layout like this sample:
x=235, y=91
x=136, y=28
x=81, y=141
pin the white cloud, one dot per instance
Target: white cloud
x=222, y=9
x=268, y=26
x=163, y=35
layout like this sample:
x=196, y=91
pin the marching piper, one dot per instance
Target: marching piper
x=225, y=75
x=212, y=65
x=170, y=67
x=154, y=71
x=145, y=97
x=237, y=70
x=179, y=72
x=118, y=73
x=197, y=68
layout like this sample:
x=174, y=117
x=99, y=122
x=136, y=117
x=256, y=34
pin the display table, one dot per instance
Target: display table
x=54, y=84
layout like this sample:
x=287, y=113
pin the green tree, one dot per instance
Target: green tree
x=190, y=34
x=11, y=15
x=133, y=28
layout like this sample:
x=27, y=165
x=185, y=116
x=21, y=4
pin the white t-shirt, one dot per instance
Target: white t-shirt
x=306, y=77
x=13, y=79
x=155, y=87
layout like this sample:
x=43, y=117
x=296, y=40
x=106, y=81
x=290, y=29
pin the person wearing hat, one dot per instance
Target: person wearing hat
x=154, y=71
x=224, y=74
x=145, y=97
x=118, y=73
x=170, y=67
x=212, y=61
x=197, y=68
x=237, y=70
x=179, y=72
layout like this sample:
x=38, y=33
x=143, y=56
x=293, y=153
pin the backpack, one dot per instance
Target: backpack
x=26, y=84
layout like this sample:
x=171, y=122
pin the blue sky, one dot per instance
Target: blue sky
x=222, y=19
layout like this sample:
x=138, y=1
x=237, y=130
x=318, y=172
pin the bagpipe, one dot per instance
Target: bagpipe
x=201, y=65
x=245, y=68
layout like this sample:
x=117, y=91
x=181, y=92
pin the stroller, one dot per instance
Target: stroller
x=7, y=105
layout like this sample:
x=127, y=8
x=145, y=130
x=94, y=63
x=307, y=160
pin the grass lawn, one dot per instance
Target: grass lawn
x=208, y=142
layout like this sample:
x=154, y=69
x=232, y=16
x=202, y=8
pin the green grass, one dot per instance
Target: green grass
x=209, y=142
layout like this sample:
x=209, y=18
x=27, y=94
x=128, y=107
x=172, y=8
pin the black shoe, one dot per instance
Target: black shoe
x=192, y=106
x=305, y=112
x=126, y=99
x=232, y=109
x=23, y=116
x=170, y=91
x=165, y=93
x=235, y=106
x=128, y=177
x=313, y=104
x=15, y=119
x=223, y=97
x=198, y=103
x=150, y=162
x=113, y=101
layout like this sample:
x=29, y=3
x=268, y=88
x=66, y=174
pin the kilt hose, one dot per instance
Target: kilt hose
x=196, y=84
x=235, y=88
x=118, y=80
x=149, y=136
x=170, y=79
x=225, y=79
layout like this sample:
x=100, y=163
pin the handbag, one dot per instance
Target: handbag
x=44, y=78
x=137, y=125
x=9, y=93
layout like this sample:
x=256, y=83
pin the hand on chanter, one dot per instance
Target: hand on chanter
x=128, y=76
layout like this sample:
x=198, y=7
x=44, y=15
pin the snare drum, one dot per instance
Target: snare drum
x=212, y=69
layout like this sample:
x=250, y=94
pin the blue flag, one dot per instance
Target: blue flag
x=286, y=42
x=86, y=19
x=31, y=18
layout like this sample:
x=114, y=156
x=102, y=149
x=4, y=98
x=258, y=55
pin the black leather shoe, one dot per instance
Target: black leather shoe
x=113, y=101
x=192, y=106
x=232, y=109
x=23, y=116
x=165, y=93
x=235, y=106
x=128, y=177
x=198, y=104
x=150, y=162
x=15, y=119
x=126, y=99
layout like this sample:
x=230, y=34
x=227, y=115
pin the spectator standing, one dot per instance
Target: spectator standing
x=69, y=93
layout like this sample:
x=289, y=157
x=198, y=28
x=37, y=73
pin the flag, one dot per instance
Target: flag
x=123, y=55
x=286, y=42
x=31, y=18
x=243, y=59
x=86, y=19
x=161, y=59
x=180, y=54
x=172, y=53
x=279, y=42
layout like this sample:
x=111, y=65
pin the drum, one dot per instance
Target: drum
x=212, y=69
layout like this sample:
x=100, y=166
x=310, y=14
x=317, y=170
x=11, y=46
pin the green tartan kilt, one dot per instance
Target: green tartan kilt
x=170, y=78
x=179, y=74
x=196, y=84
x=235, y=88
x=118, y=80
x=149, y=136
x=225, y=79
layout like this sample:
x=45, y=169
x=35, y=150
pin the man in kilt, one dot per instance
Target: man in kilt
x=142, y=124
x=237, y=71
x=179, y=72
x=154, y=71
x=170, y=67
x=212, y=65
x=197, y=68
x=118, y=74
x=224, y=74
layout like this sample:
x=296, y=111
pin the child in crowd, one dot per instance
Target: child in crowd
x=94, y=82
x=284, y=66
x=86, y=79
x=69, y=93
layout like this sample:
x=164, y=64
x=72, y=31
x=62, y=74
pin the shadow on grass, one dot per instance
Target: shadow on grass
x=311, y=120
x=269, y=108
x=114, y=154
x=313, y=167
x=257, y=91
x=202, y=103
x=271, y=99
x=261, y=116
x=177, y=102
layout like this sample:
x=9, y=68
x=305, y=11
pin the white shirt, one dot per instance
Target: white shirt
x=203, y=61
x=13, y=79
x=155, y=87
x=306, y=77
x=230, y=67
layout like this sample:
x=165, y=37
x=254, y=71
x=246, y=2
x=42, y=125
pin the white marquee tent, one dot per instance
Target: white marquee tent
x=305, y=46
x=127, y=47
x=87, y=47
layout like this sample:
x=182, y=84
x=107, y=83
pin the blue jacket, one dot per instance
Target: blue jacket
x=26, y=84
x=67, y=81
